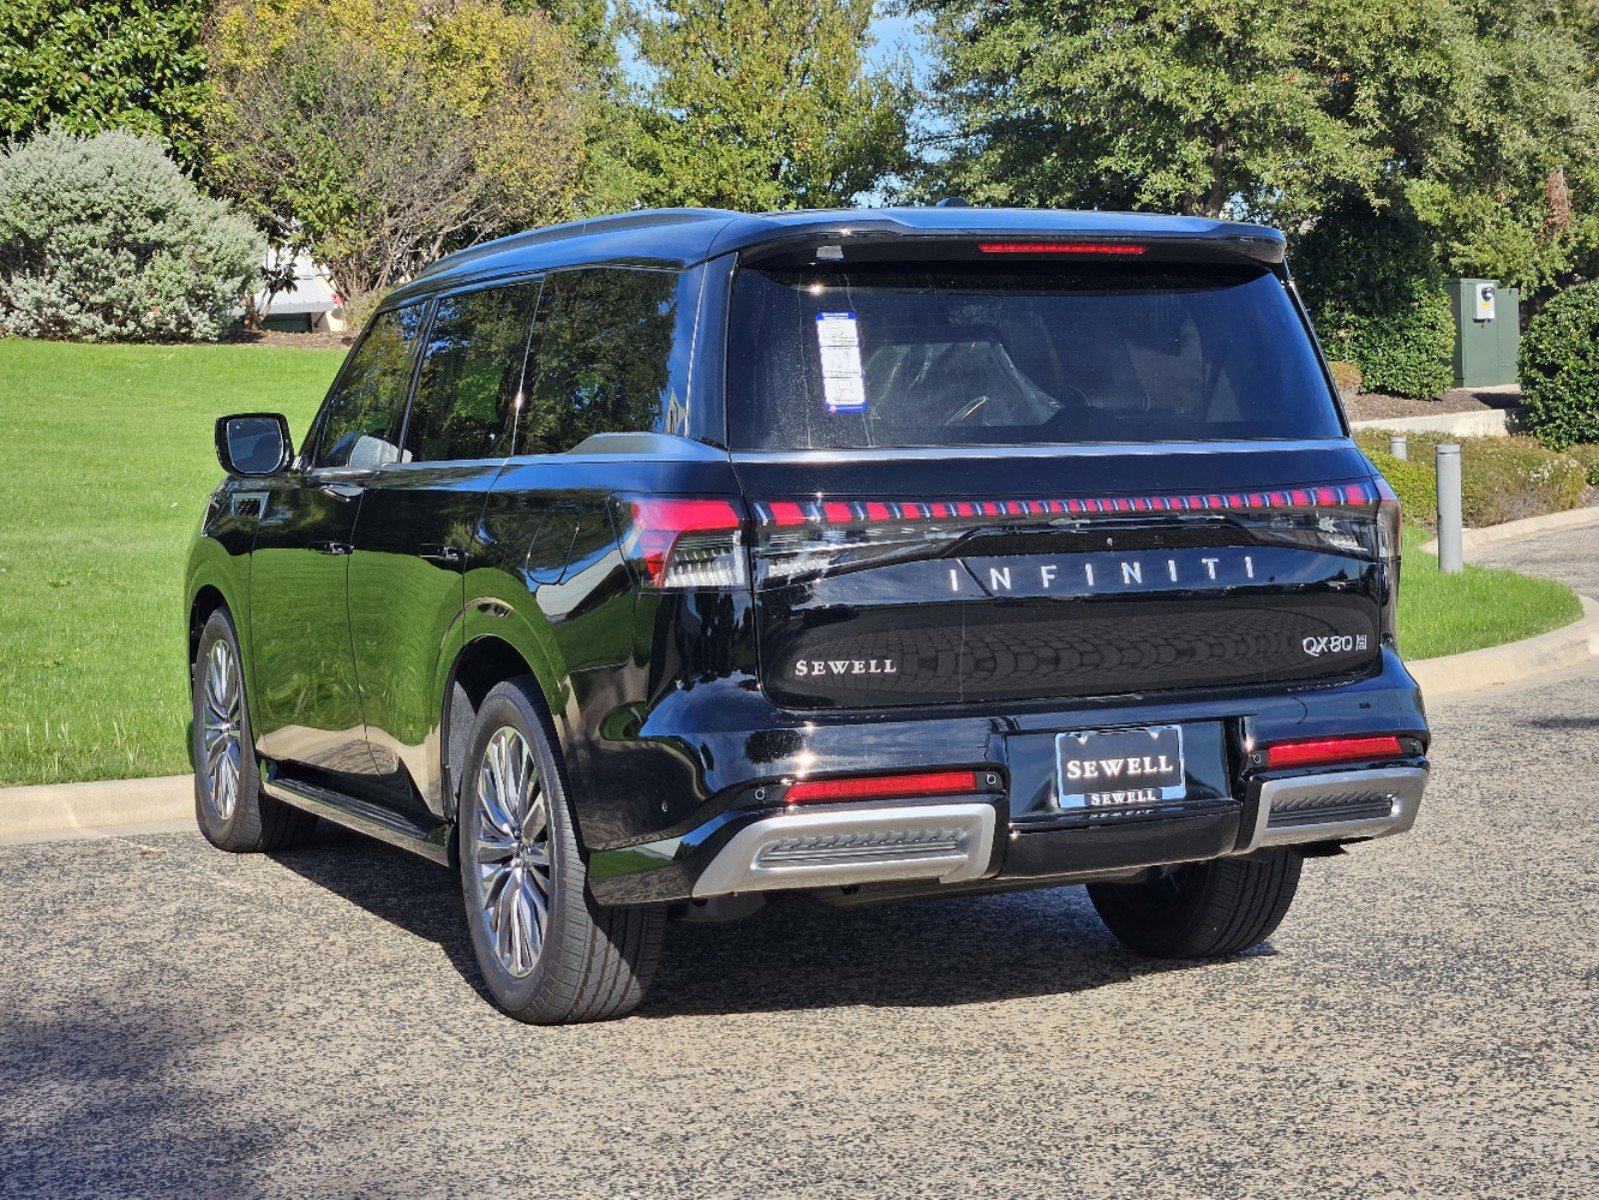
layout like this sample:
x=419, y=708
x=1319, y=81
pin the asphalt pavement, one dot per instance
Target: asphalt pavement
x=1569, y=555
x=175, y=1021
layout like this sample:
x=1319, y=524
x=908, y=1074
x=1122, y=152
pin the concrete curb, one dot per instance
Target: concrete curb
x=1514, y=662
x=1490, y=422
x=110, y=808
x=1475, y=539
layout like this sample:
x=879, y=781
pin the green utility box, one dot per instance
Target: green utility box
x=1487, y=331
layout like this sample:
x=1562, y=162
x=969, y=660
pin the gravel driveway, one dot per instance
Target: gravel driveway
x=181, y=1022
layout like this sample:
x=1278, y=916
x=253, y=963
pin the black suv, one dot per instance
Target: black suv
x=645, y=565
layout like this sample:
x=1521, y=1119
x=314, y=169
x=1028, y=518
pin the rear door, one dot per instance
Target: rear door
x=985, y=482
x=418, y=519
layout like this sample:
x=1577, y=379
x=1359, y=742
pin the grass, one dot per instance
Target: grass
x=1482, y=606
x=105, y=462
x=106, y=457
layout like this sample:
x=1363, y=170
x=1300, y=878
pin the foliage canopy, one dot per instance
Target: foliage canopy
x=89, y=65
x=381, y=133
x=762, y=104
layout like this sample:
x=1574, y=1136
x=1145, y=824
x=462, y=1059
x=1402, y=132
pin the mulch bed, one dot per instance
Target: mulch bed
x=1373, y=406
x=278, y=337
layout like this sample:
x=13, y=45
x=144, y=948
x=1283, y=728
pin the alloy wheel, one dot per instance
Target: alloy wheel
x=221, y=722
x=511, y=851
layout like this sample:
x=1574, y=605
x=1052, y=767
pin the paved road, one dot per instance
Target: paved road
x=179, y=1022
x=1569, y=555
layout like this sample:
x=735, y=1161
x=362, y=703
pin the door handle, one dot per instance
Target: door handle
x=446, y=554
x=332, y=547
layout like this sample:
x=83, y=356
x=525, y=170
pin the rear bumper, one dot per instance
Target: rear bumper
x=845, y=845
x=941, y=845
x=743, y=839
x=1335, y=806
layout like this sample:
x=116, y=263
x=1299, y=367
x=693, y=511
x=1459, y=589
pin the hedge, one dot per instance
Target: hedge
x=1346, y=375
x=1374, y=286
x=1408, y=350
x=1501, y=478
x=1560, y=368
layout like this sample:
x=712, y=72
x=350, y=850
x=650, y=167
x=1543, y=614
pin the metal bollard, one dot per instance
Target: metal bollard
x=1451, y=558
x=1398, y=446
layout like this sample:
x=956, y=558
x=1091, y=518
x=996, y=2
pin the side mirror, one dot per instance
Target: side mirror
x=254, y=445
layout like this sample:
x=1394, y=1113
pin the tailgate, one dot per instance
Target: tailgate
x=973, y=579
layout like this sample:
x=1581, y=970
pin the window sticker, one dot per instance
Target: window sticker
x=843, y=386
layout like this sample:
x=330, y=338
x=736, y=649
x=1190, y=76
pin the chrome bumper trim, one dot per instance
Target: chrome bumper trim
x=841, y=845
x=1306, y=808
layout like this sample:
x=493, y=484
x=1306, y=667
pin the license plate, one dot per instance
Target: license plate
x=1119, y=768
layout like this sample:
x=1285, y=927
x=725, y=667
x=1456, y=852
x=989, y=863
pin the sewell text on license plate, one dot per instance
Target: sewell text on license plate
x=1119, y=768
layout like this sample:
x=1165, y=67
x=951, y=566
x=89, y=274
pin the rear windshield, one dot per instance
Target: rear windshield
x=969, y=357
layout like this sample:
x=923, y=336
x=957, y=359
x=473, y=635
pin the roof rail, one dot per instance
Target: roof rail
x=649, y=218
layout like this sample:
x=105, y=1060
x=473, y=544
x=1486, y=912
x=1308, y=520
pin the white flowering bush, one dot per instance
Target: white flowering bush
x=103, y=239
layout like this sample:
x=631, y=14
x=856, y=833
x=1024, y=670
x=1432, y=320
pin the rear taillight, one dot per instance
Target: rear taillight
x=883, y=787
x=1388, y=521
x=1323, y=751
x=683, y=542
x=1389, y=526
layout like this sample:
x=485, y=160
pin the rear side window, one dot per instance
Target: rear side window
x=361, y=417
x=471, y=374
x=972, y=357
x=603, y=345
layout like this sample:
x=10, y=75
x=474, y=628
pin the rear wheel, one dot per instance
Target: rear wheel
x=549, y=954
x=229, y=805
x=1205, y=910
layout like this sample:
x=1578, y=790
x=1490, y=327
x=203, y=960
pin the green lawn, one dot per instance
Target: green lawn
x=1446, y=614
x=106, y=457
x=105, y=461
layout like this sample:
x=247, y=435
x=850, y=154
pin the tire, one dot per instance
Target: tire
x=1206, y=910
x=229, y=805
x=548, y=952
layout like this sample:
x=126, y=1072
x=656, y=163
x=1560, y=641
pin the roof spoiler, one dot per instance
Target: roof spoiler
x=865, y=236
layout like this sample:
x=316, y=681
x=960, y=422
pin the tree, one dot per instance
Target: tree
x=1207, y=108
x=379, y=134
x=606, y=182
x=1458, y=112
x=1397, y=141
x=762, y=104
x=1493, y=187
x=89, y=65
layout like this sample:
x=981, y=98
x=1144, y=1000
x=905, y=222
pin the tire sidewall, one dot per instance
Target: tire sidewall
x=243, y=827
x=509, y=705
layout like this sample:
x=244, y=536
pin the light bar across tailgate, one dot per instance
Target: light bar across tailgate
x=797, y=538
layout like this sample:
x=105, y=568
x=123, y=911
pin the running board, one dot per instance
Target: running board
x=373, y=820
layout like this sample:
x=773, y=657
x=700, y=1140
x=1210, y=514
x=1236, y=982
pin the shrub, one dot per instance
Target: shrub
x=1346, y=375
x=1560, y=368
x=1372, y=282
x=1413, y=481
x=1501, y=478
x=1587, y=454
x=1408, y=351
x=104, y=239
